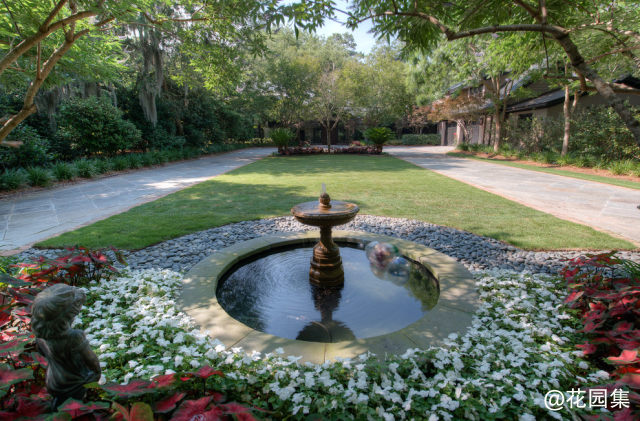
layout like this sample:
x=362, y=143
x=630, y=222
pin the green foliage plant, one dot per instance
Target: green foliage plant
x=463, y=146
x=378, y=136
x=38, y=176
x=282, y=138
x=625, y=167
x=63, y=171
x=102, y=165
x=421, y=139
x=120, y=163
x=134, y=161
x=12, y=179
x=34, y=149
x=85, y=168
x=93, y=125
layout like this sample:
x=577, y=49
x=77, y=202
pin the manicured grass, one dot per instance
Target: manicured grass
x=556, y=171
x=380, y=185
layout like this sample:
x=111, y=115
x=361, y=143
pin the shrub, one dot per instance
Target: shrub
x=159, y=138
x=421, y=139
x=34, y=149
x=463, y=146
x=622, y=167
x=378, y=136
x=636, y=170
x=158, y=157
x=63, y=171
x=606, y=292
x=102, y=166
x=134, y=161
x=12, y=179
x=93, y=125
x=38, y=176
x=84, y=168
x=120, y=163
x=146, y=159
x=282, y=137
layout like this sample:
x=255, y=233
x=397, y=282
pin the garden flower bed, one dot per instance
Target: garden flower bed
x=314, y=150
x=520, y=346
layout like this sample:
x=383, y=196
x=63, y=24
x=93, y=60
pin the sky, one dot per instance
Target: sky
x=364, y=40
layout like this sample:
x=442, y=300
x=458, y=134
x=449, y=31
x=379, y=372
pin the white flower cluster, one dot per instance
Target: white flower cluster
x=518, y=348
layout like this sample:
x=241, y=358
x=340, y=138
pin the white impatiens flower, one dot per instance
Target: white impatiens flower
x=516, y=349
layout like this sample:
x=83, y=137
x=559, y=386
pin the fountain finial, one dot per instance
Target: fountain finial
x=325, y=199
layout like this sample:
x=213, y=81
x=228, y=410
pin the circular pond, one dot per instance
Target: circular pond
x=271, y=292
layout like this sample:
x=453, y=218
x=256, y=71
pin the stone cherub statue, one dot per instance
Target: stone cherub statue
x=72, y=363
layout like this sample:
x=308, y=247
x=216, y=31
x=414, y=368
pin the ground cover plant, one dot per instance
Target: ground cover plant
x=520, y=345
x=557, y=171
x=606, y=292
x=380, y=185
x=22, y=391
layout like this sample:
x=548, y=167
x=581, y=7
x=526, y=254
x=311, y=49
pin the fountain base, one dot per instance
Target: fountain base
x=326, y=267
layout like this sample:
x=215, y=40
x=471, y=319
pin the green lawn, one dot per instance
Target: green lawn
x=556, y=171
x=380, y=185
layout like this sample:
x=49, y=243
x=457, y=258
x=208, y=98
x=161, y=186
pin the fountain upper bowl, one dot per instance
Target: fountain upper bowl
x=314, y=214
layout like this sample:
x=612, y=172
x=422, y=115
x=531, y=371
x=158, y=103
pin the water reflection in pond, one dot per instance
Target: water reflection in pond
x=272, y=293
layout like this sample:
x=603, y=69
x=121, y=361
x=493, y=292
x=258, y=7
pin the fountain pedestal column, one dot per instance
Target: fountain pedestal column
x=326, y=264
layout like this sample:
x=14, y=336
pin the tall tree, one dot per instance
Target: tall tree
x=421, y=23
x=35, y=36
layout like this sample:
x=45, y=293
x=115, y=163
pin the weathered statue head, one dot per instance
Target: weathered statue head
x=54, y=309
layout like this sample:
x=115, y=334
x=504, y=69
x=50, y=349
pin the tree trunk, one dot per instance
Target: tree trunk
x=567, y=121
x=483, y=124
x=609, y=96
x=498, y=132
x=29, y=106
x=459, y=133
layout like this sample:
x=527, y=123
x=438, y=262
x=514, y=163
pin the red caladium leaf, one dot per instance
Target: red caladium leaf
x=206, y=372
x=77, y=408
x=134, y=388
x=168, y=404
x=39, y=359
x=164, y=381
x=587, y=348
x=625, y=344
x=627, y=356
x=186, y=377
x=30, y=408
x=192, y=409
x=11, y=347
x=621, y=327
x=632, y=380
x=625, y=415
x=9, y=376
x=575, y=295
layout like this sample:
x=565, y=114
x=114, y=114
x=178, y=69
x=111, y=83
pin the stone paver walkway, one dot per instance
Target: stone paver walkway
x=602, y=206
x=26, y=218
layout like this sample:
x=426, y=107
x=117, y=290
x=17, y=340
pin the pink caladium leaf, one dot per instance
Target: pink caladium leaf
x=9, y=376
x=134, y=388
x=206, y=372
x=627, y=356
x=164, y=381
x=587, y=348
x=78, y=408
x=632, y=380
x=168, y=404
x=192, y=409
